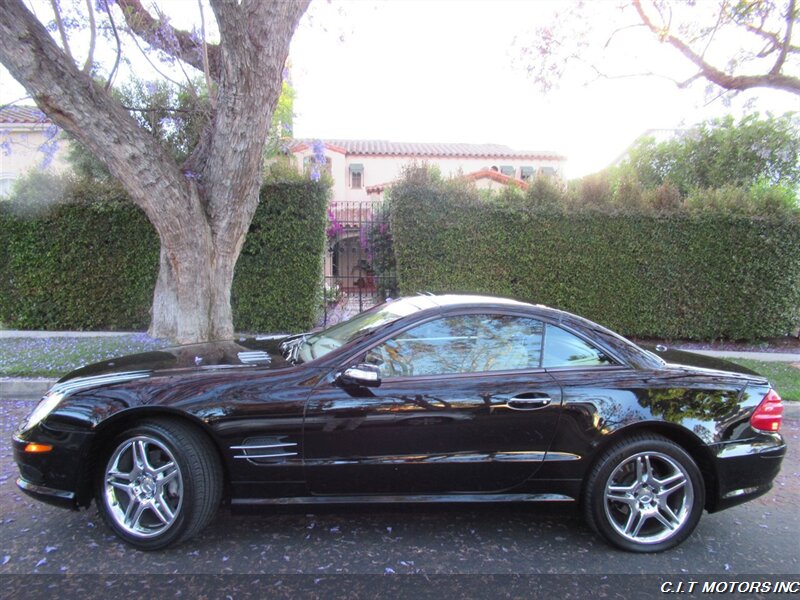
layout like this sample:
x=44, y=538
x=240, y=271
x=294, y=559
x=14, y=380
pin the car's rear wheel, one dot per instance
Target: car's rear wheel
x=644, y=494
x=160, y=484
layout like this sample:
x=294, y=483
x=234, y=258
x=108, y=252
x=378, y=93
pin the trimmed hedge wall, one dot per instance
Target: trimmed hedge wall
x=277, y=285
x=672, y=275
x=81, y=265
x=92, y=264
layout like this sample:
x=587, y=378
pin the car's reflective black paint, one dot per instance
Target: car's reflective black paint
x=299, y=433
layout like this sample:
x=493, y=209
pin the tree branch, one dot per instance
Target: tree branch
x=787, y=40
x=256, y=36
x=206, y=73
x=60, y=25
x=712, y=73
x=72, y=101
x=114, y=29
x=87, y=66
x=772, y=38
x=160, y=34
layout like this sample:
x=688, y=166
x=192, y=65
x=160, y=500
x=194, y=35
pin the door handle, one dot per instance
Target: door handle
x=520, y=403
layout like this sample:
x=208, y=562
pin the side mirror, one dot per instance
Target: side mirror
x=363, y=375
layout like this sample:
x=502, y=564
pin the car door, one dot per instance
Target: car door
x=463, y=406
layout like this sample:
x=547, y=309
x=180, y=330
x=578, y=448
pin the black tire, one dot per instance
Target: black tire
x=644, y=494
x=166, y=498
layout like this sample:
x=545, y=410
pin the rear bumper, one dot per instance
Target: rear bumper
x=744, y=476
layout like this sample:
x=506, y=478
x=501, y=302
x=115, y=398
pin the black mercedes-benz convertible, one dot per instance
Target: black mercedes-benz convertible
x=422, y=399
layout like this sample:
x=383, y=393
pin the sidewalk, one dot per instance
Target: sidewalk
x=762, y=356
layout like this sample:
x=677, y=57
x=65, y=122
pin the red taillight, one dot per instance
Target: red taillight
x=769, y=414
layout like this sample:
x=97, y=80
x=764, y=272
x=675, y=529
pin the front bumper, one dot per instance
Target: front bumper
x=60, y=498
x=62, y=476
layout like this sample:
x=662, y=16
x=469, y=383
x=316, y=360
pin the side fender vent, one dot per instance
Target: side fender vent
x=266, y=450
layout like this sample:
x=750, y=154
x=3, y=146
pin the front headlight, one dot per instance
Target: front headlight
x=45, y=407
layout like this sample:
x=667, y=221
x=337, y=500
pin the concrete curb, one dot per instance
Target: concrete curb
x=20, y=333
x=24, y=389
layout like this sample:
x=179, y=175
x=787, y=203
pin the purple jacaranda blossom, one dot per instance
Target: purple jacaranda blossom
x=196, y=35
x=762, y=151
x=5, y=146
x=49, y=147
x=318, y=147
x=104, y=5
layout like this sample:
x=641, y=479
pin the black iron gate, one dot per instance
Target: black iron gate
x=359, y=262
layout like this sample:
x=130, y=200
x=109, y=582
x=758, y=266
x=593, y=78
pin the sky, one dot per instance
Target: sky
x=453, y=71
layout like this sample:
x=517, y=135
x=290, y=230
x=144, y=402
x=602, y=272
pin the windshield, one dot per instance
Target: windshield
x=327, y=340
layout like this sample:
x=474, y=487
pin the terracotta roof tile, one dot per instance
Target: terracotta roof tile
x=22, y=114
x=387, y=148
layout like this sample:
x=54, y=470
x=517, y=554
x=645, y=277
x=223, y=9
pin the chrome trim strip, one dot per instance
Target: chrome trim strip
x=96, y=380
x=561, y=456
x=534, y=456
x=410, y=499
x=45, y=491
x=255, y=447
x=265, y=455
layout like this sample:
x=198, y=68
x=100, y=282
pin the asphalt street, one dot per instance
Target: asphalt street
x=760, y=537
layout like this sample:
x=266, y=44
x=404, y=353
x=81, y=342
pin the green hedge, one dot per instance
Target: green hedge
x=90, y=262
x=277, y=282
x=671, y=275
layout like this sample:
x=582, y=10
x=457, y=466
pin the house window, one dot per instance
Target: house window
x=356, y=176
x=507, y=170
x=548, y=172
x=6, y=185
x=526, y=173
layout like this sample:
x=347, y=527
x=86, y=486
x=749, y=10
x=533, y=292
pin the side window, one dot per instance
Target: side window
x=461, y=344
x=562, y=349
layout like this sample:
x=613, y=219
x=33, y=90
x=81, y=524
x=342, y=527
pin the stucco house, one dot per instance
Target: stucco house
x=362, y=167
x=362, y=170
x=28, y=140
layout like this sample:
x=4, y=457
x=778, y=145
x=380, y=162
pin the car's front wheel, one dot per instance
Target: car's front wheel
x=644, y=494
x=160, y=484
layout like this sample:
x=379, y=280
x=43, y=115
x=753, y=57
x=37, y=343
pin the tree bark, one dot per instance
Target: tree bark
x=202, y=209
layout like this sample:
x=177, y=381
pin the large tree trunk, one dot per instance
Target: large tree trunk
x=202, y=209
x=192, y=296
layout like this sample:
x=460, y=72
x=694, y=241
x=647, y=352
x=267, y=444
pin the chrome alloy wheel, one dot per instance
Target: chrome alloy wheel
x=648, y=497
x=143, y=487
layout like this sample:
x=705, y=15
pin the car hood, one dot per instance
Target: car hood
x=692, y=359
x=262, y=352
